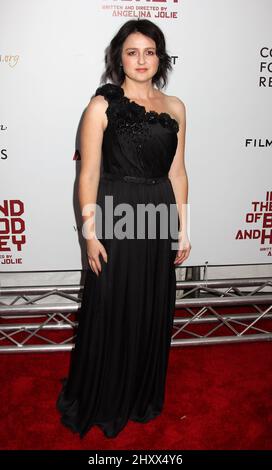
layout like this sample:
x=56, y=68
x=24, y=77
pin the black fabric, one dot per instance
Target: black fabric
x=119, y=364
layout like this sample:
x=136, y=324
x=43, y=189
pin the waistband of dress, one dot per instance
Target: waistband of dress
x=133, y=179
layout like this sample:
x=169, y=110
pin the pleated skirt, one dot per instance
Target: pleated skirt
x=119, y=363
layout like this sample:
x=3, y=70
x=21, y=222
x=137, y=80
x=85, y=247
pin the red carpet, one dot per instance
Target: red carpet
x=217, y=397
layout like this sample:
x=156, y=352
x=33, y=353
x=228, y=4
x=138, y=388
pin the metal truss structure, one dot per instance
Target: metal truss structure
x=207, y=312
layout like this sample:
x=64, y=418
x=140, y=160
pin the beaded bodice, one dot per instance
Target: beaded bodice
x=136, y=142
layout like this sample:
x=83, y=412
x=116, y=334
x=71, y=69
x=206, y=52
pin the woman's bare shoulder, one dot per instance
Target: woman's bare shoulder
x=175, y=101
x=176, y=106
x=95, y=111
x=98, y=103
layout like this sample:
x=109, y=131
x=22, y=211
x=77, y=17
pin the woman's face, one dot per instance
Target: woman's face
x=139, y=58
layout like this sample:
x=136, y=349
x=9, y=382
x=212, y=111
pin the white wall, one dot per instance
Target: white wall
x=51, y=61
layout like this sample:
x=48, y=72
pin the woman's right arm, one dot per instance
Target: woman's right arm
x=91, y=137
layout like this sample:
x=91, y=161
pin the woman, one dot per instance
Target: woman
x=118, y=367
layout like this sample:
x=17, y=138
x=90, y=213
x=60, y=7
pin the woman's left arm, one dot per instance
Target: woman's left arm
x=179, y=180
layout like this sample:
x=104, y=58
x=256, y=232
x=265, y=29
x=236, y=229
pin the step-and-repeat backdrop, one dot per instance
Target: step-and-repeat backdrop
x=51, y=61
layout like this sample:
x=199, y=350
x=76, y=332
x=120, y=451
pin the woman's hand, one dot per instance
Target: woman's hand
x=94, y=249
x=184, y=247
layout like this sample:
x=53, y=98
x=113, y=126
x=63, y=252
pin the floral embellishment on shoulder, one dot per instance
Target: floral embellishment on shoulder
x=138, y=112
x=133, y=111
x=110, y=91
x=125, y=110
x=167, y=121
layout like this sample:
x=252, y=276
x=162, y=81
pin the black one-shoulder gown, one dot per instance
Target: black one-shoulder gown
x=119, y=363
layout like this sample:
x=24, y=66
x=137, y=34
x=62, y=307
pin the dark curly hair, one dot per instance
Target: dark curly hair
x=114, y=71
